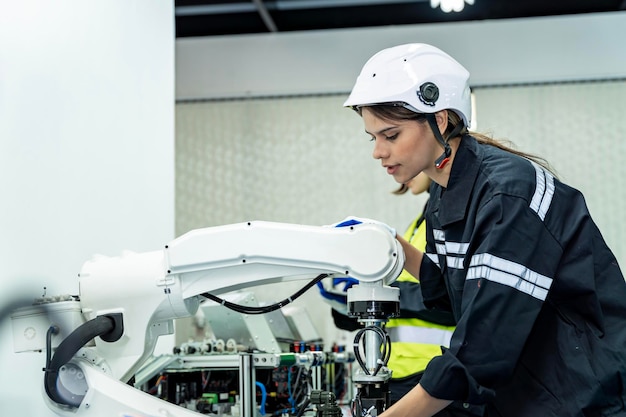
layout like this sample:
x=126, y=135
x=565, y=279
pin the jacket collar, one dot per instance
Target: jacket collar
x=465, y=166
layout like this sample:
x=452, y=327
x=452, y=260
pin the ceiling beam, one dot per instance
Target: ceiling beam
x=265, y=16
x=225, y=8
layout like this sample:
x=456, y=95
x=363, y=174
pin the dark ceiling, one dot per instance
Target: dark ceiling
x=230, y=17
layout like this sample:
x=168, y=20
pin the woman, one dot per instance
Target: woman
x=538, y=297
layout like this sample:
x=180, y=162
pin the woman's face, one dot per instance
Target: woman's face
x=405, y=148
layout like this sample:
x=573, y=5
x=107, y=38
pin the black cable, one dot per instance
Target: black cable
x=445, y=156
x=303, y=408
x=306, y=342
x=386, y=344
x=100, y=326
x=265, y=309
x=353, y=406
x=52, y=330
x=297, y=386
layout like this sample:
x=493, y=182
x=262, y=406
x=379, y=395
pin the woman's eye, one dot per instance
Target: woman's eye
x=391, y=137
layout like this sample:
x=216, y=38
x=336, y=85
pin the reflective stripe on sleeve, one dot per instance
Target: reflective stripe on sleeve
x=509, y=273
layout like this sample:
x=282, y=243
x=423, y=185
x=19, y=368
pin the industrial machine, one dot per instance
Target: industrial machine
x=99, y=344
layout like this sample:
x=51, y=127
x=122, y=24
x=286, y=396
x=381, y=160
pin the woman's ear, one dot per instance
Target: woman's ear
x=442, y=120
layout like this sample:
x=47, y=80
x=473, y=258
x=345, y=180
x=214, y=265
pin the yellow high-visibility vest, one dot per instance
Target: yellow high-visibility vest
x=414, y=342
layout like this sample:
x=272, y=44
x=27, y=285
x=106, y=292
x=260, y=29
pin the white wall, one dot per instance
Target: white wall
x=579, y=47
x=86, y=152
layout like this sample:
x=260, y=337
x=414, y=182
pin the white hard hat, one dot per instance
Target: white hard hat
x=419, y=76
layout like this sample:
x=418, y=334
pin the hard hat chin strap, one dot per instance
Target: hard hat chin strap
x=445, y=156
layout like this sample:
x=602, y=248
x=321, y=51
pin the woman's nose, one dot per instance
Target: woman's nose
x=380, y=150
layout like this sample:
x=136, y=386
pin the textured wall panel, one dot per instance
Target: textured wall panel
x=294, y=160
x=579, y=129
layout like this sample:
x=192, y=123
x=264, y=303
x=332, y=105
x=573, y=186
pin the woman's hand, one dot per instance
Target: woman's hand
x=416, y=403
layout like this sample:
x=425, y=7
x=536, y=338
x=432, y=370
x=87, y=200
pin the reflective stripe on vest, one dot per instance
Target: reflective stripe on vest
x=423, y=335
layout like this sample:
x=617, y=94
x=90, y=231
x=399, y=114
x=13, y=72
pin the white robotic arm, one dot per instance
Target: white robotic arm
x=145, y=292
x=151, y=289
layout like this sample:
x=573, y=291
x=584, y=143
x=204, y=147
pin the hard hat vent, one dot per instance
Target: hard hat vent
x=428, y=93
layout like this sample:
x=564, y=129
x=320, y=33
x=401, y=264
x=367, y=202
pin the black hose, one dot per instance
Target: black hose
x=101, y=325
x=265, y=309
x=52, y=330
x=302, y=409
x=385, y=344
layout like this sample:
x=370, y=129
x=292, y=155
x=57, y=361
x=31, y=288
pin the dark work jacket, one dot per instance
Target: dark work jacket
x=539, y=299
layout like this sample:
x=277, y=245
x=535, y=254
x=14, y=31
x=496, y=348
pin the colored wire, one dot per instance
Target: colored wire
x=263, y=396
